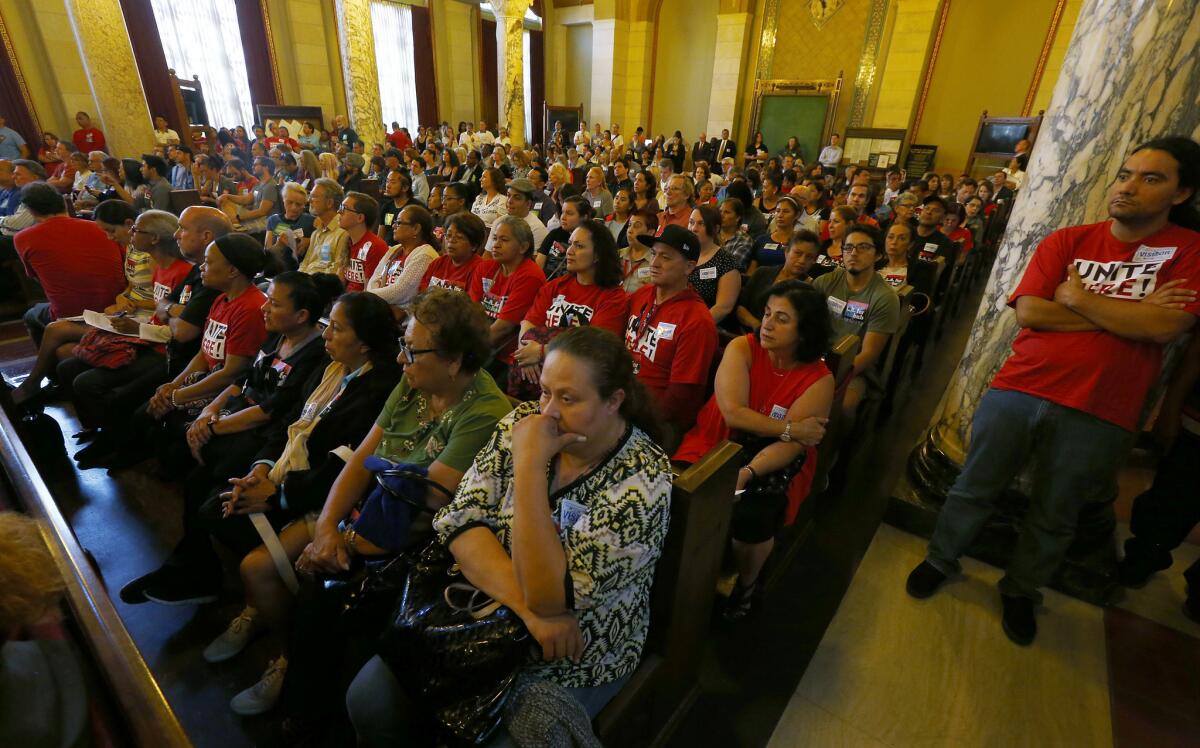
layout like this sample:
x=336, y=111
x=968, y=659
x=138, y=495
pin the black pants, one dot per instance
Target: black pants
x=1164, y=515
x=104, y=396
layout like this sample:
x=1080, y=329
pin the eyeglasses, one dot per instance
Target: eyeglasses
x=344, y=208
x=864, y=247
x=409, y=355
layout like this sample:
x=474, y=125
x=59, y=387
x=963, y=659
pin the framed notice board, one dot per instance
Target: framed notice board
x=783, y=108
x=873, y=147
x=919, y=159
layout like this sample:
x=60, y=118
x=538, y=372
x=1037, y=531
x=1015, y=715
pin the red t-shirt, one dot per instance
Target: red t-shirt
x=78, y=266
x=365, y=254
x=565, y=302
x=507, y=297
x=90, y=139
x=399, y=140
x=671, y=343
x=442, y=273
x=1097, y=372
x=679, y=219
x=235, y=327
x=963, y=236
x=165, y=280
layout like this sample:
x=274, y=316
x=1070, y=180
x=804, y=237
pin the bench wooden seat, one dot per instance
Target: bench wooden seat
x=666, y=682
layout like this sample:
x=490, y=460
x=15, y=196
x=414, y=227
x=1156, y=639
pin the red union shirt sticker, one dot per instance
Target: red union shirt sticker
x=1118, y=279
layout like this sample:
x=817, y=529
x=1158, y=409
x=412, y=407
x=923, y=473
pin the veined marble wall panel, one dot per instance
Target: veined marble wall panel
x=357, y=40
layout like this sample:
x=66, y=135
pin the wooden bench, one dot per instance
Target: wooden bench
x=658, y=694
x=840, y=361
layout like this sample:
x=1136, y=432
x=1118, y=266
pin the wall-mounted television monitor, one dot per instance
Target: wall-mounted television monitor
x=1000, y=137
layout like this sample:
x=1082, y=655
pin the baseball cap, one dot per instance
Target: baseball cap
x=522, y=185
x=676, y=237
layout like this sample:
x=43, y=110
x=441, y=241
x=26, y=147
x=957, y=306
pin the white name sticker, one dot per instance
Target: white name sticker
x=836, y=306
x=570, y=512
x=1153, y=254
x=643, y=272
x=666, y=330
x=708, y=273
x=778, y=412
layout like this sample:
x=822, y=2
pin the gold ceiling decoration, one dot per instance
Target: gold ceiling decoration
x=822, y=10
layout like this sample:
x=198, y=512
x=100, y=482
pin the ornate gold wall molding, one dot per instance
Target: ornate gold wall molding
x=1047, y=45
x=266, y=19
x=864, y=79
x=766, y=41
x=927, y=81
x=356, y=36
x=10, y=51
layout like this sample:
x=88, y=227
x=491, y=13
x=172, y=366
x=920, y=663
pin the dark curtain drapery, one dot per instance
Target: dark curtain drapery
x=537, y=84
x=151, y=62
x=489, y=107
x=427, y=102
x=16, y=111
x=256, y=48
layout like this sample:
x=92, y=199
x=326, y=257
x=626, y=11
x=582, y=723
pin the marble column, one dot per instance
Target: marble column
x=1130, y=74
x=510, y=65
x=356, y=37
x=107, y=56
x=732, y=29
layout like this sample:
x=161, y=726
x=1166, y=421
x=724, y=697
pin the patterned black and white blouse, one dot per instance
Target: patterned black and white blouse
x=617, y=519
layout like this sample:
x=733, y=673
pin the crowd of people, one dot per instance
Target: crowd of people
x=285, y=343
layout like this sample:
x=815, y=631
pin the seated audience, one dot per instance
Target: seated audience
x=798, y=264
x=289, y=233
x=588, y=294
x=732, y=233
x=770, y=248
x=506, y=285
x=955, y=231
x=456, y=270
x=397, y=188
x=671, y=333
x=250, y=211
x=329, y=246
x=78, y=266
x=677, y=210
x=716, y=277
x=841, y=219
x=357, y=216
x=157, y=192
x=618, y=221
x=520, y=204
x=596, y=193
x=861, y=303
x=773, y=396
x=490, y=204
x=635, y=258
x=552, y=252
x=645, y=191
x=501, y=528
x=397, y=276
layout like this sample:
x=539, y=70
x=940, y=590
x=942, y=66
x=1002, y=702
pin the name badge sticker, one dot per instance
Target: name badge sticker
x=778, y=412
x=836, y=306
x=1153, y=254
x=666, y=330
x=708, y=273
x=643, y=272
x=570, y=512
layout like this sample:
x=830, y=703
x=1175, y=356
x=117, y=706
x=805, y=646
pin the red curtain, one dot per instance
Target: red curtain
x=256, y=48
x=537, y=84
x=151, y=63
x=427, y=103
x=487, y=73
x=16, y=111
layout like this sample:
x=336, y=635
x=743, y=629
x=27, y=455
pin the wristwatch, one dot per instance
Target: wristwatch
x=786, y=436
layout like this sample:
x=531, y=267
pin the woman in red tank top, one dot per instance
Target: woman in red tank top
x=773, y=395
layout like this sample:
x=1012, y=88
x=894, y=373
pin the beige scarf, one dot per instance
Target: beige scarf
x=295, y=454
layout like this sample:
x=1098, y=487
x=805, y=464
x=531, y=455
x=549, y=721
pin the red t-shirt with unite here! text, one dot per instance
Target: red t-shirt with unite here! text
x=673, y=342
x=234, y=327
x=1096, y=372
x=442, y=273
x=565, y=302
x=365, y=254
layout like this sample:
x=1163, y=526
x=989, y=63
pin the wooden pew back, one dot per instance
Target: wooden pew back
x=840, y=361
x=648, y=708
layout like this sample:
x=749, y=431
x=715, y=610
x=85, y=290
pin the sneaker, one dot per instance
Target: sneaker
x=261, y=697
x=1018, y=619
x=182, y=591
x=740, y=603
x=134, y=592
x=1134, y=572
x=924, y=580
x=236, y=637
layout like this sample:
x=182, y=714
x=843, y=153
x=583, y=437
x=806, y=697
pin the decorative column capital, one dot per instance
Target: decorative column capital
x=510, y=8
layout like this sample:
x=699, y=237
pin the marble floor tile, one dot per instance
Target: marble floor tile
x=804, y=724
x=941, y=672
x=1161, y=600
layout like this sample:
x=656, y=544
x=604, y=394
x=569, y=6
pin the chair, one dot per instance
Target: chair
x=840, y=361
x=183, y=199
x=659, y=692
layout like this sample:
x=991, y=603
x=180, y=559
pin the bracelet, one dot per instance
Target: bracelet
x=174, y=404
x=753, y=473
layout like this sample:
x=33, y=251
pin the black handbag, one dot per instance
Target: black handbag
x=455, y=651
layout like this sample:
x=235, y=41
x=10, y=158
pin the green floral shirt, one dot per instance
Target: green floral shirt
x=452, y=438
x=622, y=512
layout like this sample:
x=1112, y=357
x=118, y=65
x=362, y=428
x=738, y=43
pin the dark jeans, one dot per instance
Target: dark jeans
x=103, y=396
x=36, y=318
x=1075, y=460
x=1165, y=514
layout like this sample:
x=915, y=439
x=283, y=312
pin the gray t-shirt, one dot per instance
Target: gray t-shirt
x=267, y=190
x=876, y=308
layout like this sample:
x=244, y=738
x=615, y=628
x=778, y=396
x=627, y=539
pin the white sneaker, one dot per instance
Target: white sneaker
x=235, y=638
x=261, y=697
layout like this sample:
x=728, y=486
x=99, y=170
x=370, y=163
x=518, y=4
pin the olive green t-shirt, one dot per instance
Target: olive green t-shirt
x=453, y=438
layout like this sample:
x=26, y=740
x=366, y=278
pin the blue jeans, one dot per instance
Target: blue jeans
x=382, y=715
x=37, y=318
x=1075, y=461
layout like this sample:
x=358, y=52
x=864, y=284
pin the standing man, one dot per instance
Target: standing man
x=701, y=150
x=87, y=138
x=726, y=148
x=12, y=145
x=831, y=155
x=1096, y=305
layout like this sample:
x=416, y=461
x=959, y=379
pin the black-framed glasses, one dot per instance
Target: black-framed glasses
x=409, y=355
x=343, y=208
x=864, y=247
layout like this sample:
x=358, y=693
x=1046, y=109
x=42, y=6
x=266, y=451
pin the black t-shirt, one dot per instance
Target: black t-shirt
x=196, y=299
x=554, y=246
x=936, y=244
x=276, y=384
x=706, y=278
